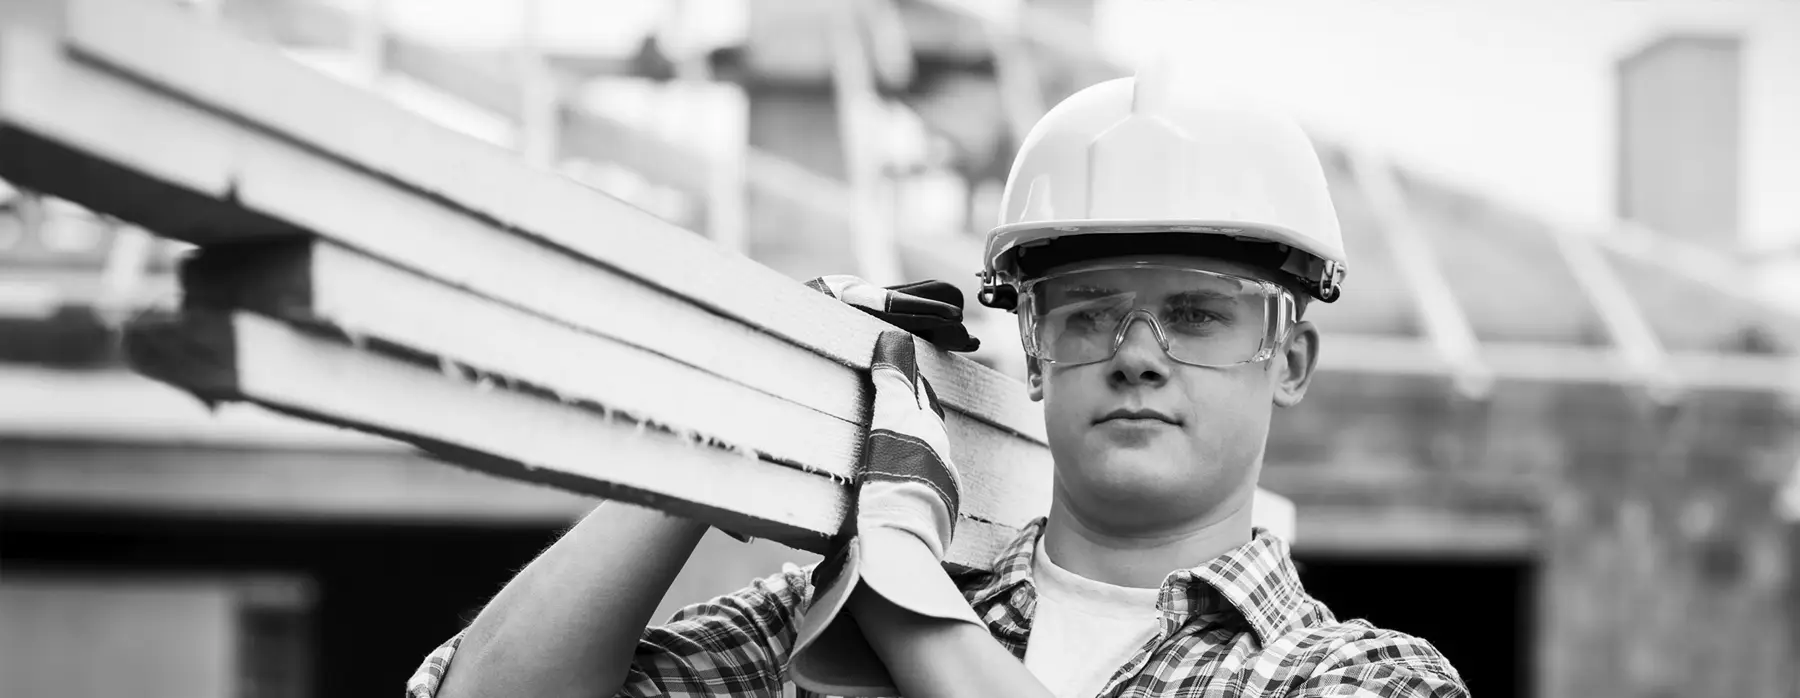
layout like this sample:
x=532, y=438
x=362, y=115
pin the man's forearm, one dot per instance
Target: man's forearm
x=569, y=622
x=933, y=658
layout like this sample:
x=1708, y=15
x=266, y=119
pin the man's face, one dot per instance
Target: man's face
x=1191, y=447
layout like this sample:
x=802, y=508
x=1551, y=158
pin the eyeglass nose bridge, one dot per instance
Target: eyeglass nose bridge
x=1156, y=330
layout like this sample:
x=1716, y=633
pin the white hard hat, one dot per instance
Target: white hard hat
x=1134, y=155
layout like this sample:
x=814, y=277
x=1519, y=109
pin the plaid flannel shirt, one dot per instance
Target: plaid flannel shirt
x=1239, y=626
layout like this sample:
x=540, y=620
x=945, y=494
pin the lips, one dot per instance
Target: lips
x=1139, y=414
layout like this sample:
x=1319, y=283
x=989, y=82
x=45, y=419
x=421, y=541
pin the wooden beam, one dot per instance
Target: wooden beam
x=482, y=79
x=434, y=204
x=239, y=356
x=319, y=284
x=859, y=120
x=323, y=285
x=1709, y=268
x=1443, y=318
x=539, y=95
x=157, y=477
x=1560, y=363
x=1050, y=30
x=79, y=131
x=1631, y=333
x=1021, y=88
x=60, y=405
x=158, y=45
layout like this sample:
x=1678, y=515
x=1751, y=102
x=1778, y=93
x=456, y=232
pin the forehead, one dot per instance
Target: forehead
x=1212, y=264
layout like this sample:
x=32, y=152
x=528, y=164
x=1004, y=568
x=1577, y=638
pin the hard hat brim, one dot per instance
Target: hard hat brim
x=1005, y=241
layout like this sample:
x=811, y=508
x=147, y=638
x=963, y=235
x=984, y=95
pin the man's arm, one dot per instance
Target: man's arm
x=933, y=658
x=569, y=623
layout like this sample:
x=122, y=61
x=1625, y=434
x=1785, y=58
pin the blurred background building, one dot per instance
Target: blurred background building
x=1555, y=432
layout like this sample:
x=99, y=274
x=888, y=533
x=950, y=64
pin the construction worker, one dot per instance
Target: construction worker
x=1159, y=250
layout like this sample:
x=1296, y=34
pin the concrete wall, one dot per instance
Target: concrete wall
x=81, y=638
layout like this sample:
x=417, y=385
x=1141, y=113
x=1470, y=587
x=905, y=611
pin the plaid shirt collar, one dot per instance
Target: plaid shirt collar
x=1256, y=581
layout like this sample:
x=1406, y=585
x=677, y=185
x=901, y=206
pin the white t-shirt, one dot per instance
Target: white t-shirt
x=1084, y=630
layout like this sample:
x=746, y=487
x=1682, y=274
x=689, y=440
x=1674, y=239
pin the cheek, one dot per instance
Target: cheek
x=1232, y=411
x=1065, y=400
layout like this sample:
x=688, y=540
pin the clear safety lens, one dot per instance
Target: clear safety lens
x=1198, y=317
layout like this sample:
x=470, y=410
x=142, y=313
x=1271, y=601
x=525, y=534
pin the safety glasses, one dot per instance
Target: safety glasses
x=1200, y=318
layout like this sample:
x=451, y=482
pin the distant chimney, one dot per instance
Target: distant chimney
x=1680, y=105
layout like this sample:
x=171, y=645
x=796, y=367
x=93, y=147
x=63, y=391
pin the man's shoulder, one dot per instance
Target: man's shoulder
x=1357, y=652
x=1348, y=639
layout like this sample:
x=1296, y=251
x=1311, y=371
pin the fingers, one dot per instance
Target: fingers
x=903, y=304
x=933, y=310
x=930, y=309
x=941, y=292
x=954, y=338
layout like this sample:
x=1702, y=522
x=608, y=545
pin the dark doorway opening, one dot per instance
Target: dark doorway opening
x=386, y=593
x=1477, y=612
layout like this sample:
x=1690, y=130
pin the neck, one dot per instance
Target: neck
x=1141, y=557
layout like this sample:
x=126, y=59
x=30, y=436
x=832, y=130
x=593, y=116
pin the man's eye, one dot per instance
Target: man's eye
x=1191, y=317
x=1093, y=317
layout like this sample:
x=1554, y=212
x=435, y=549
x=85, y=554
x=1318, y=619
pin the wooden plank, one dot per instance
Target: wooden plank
x=318, y=283
x=239, y=356
x=59, y=405
x=357, y=199
x=153, y=477
x=322, y=284
x=253, y=181
x=162, y=46
x=56, y=138
x=269, y=174
x=279, y=179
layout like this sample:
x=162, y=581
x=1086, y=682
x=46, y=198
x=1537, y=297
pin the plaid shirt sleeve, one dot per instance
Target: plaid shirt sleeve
x=1384, y=664
x=735, y=645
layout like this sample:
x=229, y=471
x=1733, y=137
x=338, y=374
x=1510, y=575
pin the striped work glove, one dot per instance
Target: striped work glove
x=906, y=496
x=933, y=310
x=930, y=309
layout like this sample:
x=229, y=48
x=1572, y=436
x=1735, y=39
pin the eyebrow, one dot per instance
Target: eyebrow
x=1198, y=296
x=1091, y=292
x=1191, y=296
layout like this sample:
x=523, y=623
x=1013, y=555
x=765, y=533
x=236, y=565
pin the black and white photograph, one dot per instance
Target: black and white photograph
x=792, y=348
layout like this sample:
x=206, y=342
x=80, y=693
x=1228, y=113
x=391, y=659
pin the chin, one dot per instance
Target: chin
x=1144, y=479
x=1152, y=486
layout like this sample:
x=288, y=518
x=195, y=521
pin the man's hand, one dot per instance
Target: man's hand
x=930, y=309
x=906, y=500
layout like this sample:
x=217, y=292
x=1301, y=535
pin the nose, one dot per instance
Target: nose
x=1140, y=359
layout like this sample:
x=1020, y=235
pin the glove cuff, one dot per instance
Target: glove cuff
x=904, y=570
x=830, y=655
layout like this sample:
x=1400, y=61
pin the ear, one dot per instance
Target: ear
x=1300, y=356
x=1034, y=379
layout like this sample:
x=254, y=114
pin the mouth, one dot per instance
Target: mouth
x=1138, y=417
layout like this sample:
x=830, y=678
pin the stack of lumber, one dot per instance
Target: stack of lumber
x=359, y=266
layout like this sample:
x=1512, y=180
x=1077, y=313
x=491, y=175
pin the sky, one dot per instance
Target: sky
x=1513, y=97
